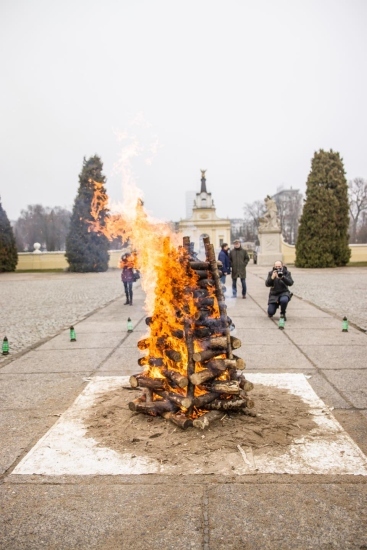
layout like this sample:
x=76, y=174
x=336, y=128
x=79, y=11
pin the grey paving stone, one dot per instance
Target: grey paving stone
x=285, y=356
x=336, y=357
x=250, y=336
x=124, y=361
x=53, y=393
x=89, y=341
x=288, y=516
x=327, y=337
x=58, y=360
x=351, y=383
x=20, y=430
x=101, y=516
x=355, y=424
x=327, y=393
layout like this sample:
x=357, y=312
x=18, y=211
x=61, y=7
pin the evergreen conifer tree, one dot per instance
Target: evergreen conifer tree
x=8, y=247
x=323, y=232
x=87, y=250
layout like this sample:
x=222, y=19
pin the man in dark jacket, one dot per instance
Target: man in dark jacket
x=226, y=264
x=239, y=259
x=279, y=279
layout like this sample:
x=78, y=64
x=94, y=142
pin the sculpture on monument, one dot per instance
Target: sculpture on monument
x=270, y=219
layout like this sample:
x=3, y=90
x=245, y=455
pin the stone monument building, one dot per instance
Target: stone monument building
x=204, y=221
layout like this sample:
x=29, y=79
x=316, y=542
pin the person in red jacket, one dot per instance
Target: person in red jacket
x=127, y=277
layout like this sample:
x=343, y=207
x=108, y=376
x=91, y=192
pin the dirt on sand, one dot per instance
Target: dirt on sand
x=281, y=418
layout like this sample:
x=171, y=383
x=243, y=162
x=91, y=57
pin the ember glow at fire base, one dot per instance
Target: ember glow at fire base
x=67, y=450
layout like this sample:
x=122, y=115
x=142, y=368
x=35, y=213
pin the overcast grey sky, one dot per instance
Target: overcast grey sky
x=248, y=90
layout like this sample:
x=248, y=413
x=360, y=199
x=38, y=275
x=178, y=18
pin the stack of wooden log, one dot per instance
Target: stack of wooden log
x=208, y=383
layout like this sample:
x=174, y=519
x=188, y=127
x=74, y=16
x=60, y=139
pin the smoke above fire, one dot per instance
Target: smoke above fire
x=152, y=241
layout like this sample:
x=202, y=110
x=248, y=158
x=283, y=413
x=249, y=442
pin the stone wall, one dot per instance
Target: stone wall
x=28, y=261
x=359, y=253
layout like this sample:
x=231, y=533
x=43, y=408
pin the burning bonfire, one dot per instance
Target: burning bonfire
x=190, y=373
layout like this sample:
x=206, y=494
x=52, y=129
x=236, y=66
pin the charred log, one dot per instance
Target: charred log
x=175, y=356
x=175, y=377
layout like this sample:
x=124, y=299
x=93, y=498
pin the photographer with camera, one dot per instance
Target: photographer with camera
x=279, y=279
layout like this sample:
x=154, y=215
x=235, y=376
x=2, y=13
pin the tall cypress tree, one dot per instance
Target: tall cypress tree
x=8, y=247
x=323, y=232
x=87, y=250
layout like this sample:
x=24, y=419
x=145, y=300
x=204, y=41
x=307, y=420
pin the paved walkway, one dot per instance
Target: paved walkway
x=40, y=380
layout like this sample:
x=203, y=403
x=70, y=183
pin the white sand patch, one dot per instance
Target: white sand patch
x=66, y=450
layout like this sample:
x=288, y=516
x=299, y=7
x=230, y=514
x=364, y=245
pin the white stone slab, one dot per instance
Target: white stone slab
x=65, y=449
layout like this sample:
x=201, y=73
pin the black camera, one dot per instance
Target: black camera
x=279, y=271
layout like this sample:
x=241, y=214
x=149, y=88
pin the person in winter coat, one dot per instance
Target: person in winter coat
x=226, y=264
x=127, y=277
x=279, y=279
x=239, y=259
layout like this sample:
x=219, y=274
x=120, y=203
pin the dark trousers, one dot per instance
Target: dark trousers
x=128, y=291
x=283, y=302
x=234, y=287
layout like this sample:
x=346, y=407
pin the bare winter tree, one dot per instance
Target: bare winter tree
x=252, y=214
x=47, y=226
x=289, y=205
x=357, y=192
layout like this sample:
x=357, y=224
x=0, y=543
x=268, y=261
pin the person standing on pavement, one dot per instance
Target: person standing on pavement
x=279, y=279
x=127, y=277
x=239, y=259
x=226, y=264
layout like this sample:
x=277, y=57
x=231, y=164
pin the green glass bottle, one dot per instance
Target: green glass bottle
x=72, y=334
x=345, y=324
x=281, y=323
x=129, y=325
x=5, y=346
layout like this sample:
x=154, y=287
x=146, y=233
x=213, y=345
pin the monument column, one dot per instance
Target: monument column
x=270, y=235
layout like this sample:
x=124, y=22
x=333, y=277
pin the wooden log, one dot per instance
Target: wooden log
x=199, y=265
x=204, y=302
x=203, y=400
x=205, y=283
x=156, y=361
x=205, y=355
x=134, y=402
x=179, y=419
x=201, y=273
x=156, y=407
x=190, y=362
x=207, y=419
x=202, y=332
x=148, y=393
x=200, y=293
x=210, y=256
x=144, y=381
x=235, y=363
x=218, y=365
x=245, y=385
x=204, y=375
x=176, y=377
x=221, y=342
x=175, y=356
x=226, y=404
x=228, y=387
x=175, y=398
x=143, y=360
x=186, y=244
x=144, y=343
